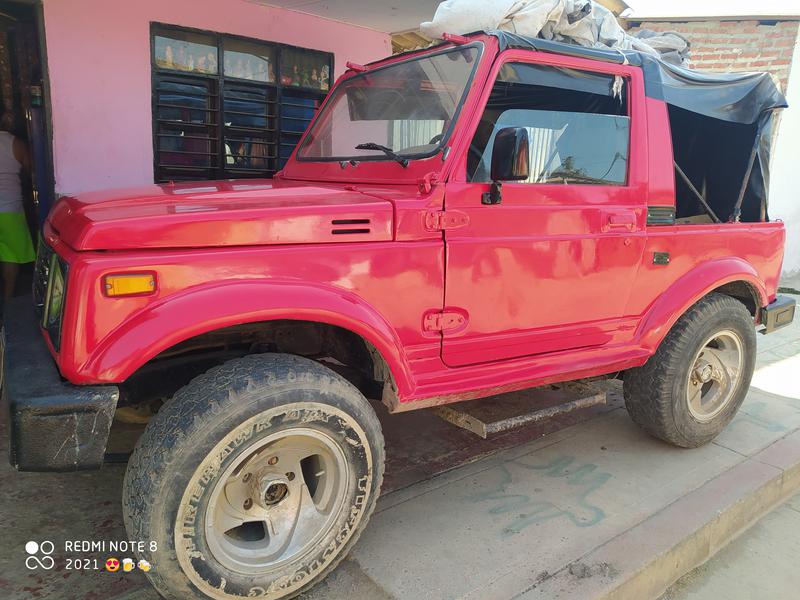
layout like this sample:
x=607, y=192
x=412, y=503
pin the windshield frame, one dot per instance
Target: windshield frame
x=297, y=156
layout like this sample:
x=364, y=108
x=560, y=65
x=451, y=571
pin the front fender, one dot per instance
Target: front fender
x=218, y=305
x=688, y=290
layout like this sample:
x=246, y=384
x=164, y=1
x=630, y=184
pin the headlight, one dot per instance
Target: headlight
x=56, y=302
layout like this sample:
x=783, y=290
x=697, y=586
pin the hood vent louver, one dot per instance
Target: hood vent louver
x=353, y=228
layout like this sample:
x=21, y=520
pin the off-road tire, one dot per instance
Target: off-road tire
x=655, y=393
x=180, y=454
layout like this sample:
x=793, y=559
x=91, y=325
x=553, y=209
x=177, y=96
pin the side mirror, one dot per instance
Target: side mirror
x=510, y=161
x=511, y=155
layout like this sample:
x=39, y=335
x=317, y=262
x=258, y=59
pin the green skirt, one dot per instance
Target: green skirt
x=15, y=239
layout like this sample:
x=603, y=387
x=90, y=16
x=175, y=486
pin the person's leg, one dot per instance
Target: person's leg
x=9, y=271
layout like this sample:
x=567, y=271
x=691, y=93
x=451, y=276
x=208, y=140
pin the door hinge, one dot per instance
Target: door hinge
x=443, y=321
x=439, y=220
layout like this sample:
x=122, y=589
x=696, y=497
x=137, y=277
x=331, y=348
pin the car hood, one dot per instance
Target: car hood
x=212, y=214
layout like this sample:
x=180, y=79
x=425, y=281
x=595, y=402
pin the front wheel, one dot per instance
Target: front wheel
x=254, y=480
x=691, y=388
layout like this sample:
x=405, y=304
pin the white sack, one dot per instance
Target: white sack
x=466, y=16
x=580, y=22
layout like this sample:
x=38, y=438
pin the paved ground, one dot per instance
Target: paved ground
x=761, y=563
x=791, y=284
x=566, y=514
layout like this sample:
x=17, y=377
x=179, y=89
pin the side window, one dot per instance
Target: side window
x=577, y=123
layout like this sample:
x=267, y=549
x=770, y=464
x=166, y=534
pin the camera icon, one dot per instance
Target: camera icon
x=39, y=555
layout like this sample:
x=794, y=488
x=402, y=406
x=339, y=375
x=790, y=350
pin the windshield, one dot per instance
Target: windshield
x=393, y=113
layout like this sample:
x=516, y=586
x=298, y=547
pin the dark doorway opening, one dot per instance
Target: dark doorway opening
x=24, y=110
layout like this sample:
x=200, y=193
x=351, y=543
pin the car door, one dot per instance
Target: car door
x=549, y=268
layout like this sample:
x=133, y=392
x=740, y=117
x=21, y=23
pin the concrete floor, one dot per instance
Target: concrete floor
x=464, y=518
x=761, y=563
x=790, y=284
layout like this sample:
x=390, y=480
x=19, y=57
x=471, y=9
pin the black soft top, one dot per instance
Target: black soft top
x=733, y=97
x=721, y=127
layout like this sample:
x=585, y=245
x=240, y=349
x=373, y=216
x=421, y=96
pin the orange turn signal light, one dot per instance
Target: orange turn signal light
x=129, y=284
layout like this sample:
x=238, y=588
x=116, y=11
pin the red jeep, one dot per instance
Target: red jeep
x=487, y=215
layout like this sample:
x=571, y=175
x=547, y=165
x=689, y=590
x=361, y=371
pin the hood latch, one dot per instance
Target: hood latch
x=427, y=183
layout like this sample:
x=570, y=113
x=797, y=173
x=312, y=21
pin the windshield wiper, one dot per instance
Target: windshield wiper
x=387, y=151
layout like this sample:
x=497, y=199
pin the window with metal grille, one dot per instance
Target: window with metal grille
x=227, y=107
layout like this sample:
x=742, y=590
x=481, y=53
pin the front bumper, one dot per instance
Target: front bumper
x=779, y=313
x=54, y=425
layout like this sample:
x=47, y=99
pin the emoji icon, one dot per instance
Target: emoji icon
x=112, y=565
x=144, y=565
x=128, y=565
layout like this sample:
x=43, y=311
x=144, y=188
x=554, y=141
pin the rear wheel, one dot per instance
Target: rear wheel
x=691, y=388
x=254, y=480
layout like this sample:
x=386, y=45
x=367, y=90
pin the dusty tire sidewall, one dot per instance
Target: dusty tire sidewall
x=691, y=429
x=177, y=515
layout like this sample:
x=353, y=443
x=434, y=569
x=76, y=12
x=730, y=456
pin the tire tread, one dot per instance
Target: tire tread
x=648, y=389
x=185, y=413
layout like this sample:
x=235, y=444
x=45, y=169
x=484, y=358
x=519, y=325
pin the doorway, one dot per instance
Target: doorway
x=23, y=109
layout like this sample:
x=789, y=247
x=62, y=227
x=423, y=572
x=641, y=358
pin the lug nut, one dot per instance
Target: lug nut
x=247, y=477
x=290, y=476
x=273, y=461
x=248, y=504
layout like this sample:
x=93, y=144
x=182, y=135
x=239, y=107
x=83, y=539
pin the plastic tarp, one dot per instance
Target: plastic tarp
x=581, y=22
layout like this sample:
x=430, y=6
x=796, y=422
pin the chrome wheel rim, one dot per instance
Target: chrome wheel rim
x=715, y=375
x=276, y=501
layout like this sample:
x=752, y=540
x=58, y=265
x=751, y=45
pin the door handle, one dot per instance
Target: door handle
x=617, y=221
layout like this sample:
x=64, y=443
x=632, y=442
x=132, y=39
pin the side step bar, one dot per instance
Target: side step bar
x=508, y=411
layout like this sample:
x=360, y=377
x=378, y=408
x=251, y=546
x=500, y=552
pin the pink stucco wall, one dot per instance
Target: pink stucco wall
x=99, y=67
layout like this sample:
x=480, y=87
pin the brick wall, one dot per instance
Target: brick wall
x=736, y=45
